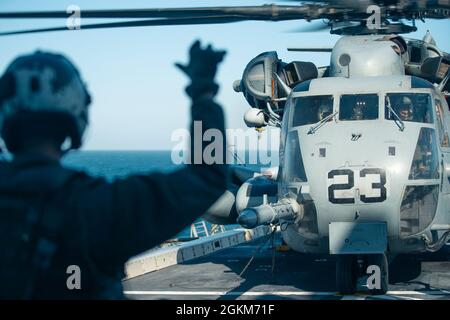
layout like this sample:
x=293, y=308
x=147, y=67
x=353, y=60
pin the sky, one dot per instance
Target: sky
x=138, y=94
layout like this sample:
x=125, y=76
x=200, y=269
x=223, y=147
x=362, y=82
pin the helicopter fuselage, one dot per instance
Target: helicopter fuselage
x=366, y=150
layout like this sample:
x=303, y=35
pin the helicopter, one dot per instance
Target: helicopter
x=364, y=151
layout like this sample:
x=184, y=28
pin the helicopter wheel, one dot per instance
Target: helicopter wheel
x=346, y=273
x=381, y=261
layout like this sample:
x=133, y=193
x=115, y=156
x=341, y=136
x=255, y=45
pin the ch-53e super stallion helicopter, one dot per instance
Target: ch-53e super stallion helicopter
x=365, y=153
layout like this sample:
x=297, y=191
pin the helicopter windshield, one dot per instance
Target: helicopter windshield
x=414, y=107
x=358, y=107
x=312, y=109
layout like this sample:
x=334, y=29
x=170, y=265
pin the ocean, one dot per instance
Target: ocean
x=116, y=164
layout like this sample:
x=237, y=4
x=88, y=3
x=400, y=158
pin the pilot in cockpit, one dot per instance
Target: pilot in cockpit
x=358, y=110
x=324, y=111
x=406, y=111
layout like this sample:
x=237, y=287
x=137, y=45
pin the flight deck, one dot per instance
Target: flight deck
x=255, y=271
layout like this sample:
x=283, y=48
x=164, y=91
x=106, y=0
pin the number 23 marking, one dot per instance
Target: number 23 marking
x=351, y=182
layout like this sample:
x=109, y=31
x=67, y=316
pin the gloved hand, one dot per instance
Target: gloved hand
x=201, y=70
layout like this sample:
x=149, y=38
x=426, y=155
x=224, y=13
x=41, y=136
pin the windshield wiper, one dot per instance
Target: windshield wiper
x=316, y=127
x=398, y=121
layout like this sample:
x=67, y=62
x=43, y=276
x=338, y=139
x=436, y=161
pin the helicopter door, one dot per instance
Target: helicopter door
x=444, y=143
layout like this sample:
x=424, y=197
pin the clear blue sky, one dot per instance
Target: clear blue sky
x=138, y=94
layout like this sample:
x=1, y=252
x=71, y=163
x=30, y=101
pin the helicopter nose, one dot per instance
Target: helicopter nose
x=248, y=219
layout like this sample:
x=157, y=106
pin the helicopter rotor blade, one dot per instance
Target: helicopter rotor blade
x=339, y=3
x=423, y=4
x=138, y=23
x=317, y=49
x=333, y=10
x=266, y=12
x=183, y=16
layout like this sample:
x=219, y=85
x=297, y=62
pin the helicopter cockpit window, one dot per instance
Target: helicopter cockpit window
x=418, y=208
x=425, y=163
x=312, y=109
x=414, y=107
x=358, y=107
x=294, y=170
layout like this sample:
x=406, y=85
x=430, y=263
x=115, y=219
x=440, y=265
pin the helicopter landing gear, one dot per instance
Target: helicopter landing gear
x=346, y=273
